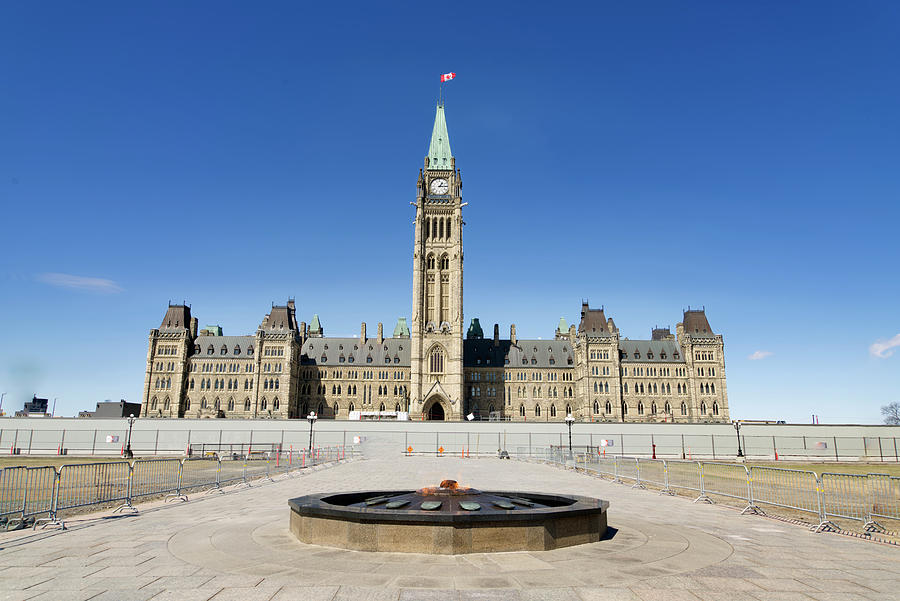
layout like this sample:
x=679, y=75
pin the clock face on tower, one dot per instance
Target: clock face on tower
x=439, y=186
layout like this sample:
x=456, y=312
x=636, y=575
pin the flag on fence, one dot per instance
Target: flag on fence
x=447, y=77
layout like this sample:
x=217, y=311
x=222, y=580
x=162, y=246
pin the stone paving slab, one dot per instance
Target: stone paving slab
x=237, y=546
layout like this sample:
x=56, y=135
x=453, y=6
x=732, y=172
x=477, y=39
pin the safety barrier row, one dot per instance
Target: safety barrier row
x=29, y=492
x=865, y=498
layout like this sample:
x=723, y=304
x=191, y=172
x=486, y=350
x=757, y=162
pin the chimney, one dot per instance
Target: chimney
x=194, y=326
x=380, y=333
x=512, y=335
x=496, y=334
x=303, y=333
x=362, y=333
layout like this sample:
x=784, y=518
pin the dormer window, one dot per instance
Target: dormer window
x=552, y=361
x=223, y=350
x=351, y=359
x=210, y=350
x=369, y=359
x=662, y=355
x=637, y=354
x=649, y=354
x=341, y=359
x=237, y=350
x=323, y=359
x=250, y=351
x=675, y=355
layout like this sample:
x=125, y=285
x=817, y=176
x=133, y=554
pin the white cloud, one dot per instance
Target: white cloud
x=760, y=355
x=884, y=348
x=77, y=282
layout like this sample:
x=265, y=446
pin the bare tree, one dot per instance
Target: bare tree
x=891, y=413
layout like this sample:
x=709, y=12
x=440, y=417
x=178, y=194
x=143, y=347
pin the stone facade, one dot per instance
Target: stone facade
x=429, y=368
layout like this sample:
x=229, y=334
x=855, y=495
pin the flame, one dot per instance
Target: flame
x=446, y=487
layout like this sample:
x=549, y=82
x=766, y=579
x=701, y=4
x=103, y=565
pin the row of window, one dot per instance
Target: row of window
x=163, y=383
x=552, y=392
x=216, y=405
x=706, y=371
x=655, y=371
x=597, y=370
x=221, y=384
x=272, y=351
x=437, y=227
x=223, y=350
x=667, y=408
x=705, y=356
x=537, y=410
x=597, y=355
x=160, y=366
x=338, y=374
x=443, y=262
x=167, y=350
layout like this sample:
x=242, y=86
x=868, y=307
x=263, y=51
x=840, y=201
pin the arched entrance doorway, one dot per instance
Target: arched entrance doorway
x=436, y=412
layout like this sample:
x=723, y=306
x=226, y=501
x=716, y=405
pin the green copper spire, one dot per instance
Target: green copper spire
x=315, y=328
x=439, y=154
x=563, y=327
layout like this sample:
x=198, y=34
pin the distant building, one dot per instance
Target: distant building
x=35, y=406
x=113, y=409
x=433, y=368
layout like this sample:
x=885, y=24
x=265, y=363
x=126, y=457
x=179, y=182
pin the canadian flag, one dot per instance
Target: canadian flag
x=447, y=77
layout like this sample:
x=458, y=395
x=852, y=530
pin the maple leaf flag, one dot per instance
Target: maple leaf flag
x=447, y=77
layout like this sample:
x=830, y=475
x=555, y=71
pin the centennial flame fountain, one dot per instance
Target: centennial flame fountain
x=447, y=519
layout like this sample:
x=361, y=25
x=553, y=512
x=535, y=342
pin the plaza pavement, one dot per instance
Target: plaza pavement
x=237, y=546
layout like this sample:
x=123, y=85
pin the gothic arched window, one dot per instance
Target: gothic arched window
x=436, y=361
x=445, y=262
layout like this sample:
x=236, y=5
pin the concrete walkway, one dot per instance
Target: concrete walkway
x=237, y=546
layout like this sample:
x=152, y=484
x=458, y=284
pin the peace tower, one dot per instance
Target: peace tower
x=436, y=362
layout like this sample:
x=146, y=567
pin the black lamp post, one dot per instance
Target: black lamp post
x=128, y=453
x=569, y=421
x=737, y=429
x=311, y=418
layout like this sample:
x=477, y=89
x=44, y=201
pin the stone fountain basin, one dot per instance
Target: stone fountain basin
x=343, y=520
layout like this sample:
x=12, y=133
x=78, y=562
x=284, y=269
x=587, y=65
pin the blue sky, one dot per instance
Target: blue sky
x=645, y=156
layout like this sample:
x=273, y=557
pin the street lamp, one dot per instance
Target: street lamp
x=569, y=421
x=737, y=430
x=311, y=418
x=128, y=453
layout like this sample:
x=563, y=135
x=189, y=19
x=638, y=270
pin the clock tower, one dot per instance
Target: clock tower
x=436, y=362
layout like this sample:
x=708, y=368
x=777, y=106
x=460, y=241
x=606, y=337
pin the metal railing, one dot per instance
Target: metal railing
x=27, y=493
x=826, y=497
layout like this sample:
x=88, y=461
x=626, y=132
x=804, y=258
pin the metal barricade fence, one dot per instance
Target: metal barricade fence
x=789, y=489
x=231, y=470
x=40, y=492
x=199, y=472
x=655, y=472
x=92, y=484
x=13, y=484
x=627, y=467
x=155, y=477
x=885, y=496
x=256, y=467
x=726, y=480
x=844, y=496
x=684, y=475
x=606, y=466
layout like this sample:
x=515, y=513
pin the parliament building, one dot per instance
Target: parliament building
x=434, y=367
